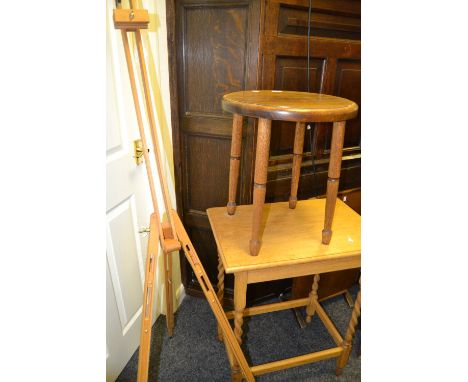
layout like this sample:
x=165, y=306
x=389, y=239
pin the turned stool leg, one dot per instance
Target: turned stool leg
x=343, y=359
x=260, y=179
x=334, y=169
x=235, y=162
x=313, y=299
x=297, y=160
x=220, y=292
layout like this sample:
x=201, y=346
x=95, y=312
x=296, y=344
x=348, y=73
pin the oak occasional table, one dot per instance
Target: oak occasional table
x=292, y=248
x=299, y=107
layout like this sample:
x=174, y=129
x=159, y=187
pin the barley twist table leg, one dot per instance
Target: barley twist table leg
x=334, y=169
x=236, y=144
x=236, y=374
x=297, y=160
x=240, y=294
x=220, y=292
x=260, y=179
x=343, y=359
x=313, y=299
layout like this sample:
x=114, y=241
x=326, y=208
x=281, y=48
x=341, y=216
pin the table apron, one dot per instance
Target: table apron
x=297, y=270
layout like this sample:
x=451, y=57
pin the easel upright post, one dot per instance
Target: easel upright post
x=132, y=20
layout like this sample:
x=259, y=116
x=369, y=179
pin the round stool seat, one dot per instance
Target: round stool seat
x=290, y=106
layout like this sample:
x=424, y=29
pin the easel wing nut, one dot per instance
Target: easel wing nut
x=131, y=18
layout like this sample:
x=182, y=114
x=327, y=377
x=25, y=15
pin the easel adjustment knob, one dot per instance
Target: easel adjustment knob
x=131, y=19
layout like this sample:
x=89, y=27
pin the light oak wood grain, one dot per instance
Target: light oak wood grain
x=131, y=19
x=289, y=250
x=240, y=294
x=268, y=308
x=148, y=301
x=313, y=299
x=303, y=269
x=220, y=293
x=329, y=324
x=165, y=239
x=153, y=128
x=291, y=237
x=296, y=361
x=346, y=344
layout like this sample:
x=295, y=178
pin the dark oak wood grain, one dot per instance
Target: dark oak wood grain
x=290, y=106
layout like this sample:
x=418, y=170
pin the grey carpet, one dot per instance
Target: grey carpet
x=195, y=354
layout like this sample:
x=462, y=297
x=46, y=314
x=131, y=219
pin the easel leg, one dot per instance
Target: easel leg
x=297, y=160
x=220, y=293
x=211, y=297
x=260, y=179
x=235, y=162
x=148, y=300
x=343, y=359
x=170, y=298
x=334, y=169
x=236, y=373
x=313, y=299
x=168, y=292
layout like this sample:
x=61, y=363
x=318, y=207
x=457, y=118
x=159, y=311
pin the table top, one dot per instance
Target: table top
x=290, y=106
x=290, y=236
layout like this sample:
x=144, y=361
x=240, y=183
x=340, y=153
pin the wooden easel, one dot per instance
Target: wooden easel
x=170, y=234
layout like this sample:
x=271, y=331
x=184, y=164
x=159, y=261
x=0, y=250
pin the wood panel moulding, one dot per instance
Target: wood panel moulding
x=214, y=50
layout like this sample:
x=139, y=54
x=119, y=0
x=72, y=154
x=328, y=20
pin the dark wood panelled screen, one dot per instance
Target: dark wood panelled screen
x=217, y=47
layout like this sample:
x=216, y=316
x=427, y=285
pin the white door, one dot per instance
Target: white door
x=128, y=209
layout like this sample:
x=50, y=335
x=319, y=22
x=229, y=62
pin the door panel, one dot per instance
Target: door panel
x=209, y=155
x=291, y=74
x=221, y=55
x=125, y=260
x=116, y=341
x=216, y=49
x=348, y=85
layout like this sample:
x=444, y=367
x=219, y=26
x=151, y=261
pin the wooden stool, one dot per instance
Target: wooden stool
x=299, y=107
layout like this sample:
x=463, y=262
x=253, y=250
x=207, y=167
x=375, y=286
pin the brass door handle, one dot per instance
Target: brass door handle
x=138, y=151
